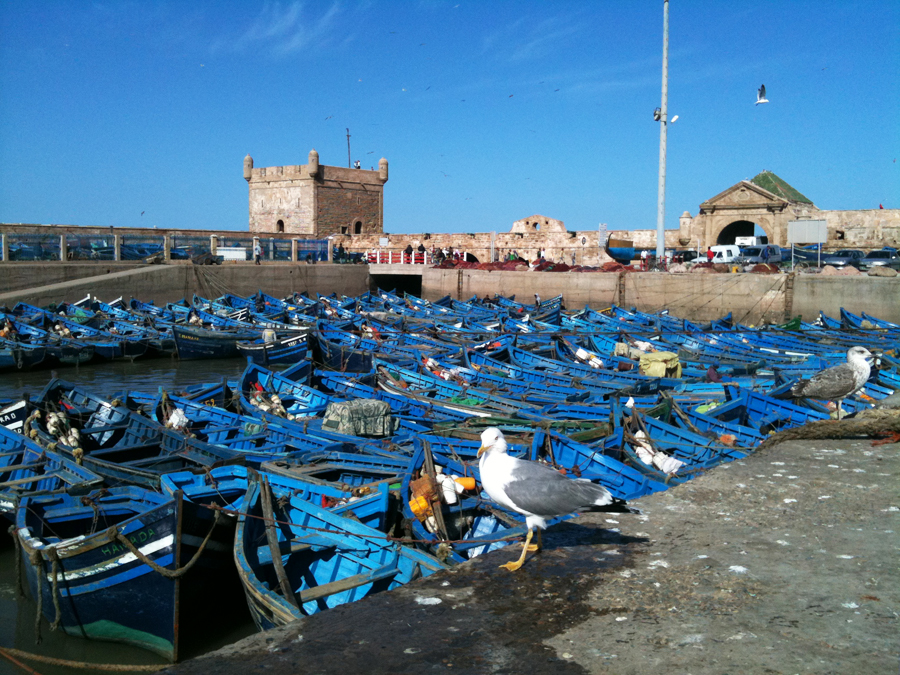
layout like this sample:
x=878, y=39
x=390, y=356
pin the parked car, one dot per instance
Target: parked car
x=687, y=256
x=207, y=259
x=882, y=258
x=755, y=255
x=843, y=258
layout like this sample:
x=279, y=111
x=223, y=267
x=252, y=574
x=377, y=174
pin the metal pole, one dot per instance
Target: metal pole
x=661, y=200
x=349, y=163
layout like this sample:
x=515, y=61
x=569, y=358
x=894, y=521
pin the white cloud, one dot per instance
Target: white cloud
x=281, y=29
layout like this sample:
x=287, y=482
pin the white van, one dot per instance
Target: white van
x=725, y=253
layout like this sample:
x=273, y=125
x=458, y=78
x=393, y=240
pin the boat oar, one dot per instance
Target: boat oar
x=265, y=500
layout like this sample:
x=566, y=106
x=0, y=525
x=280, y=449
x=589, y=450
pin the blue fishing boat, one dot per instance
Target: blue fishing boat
x=27, y=469
x=76, y=558
x=203, y=343
x=443, y=518
x=295, y=558
x=275, y=350
x=16, y=355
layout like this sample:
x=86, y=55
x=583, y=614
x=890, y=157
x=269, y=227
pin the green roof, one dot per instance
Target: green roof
x=769, y=181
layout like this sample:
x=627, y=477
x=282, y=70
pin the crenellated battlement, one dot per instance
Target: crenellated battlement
x=314, y=199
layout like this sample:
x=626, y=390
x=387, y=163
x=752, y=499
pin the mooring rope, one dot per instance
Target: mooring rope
x=114, y=534
x=35, y=559
x=8, y=652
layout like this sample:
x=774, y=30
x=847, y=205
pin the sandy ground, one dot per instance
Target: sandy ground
x=785, y=562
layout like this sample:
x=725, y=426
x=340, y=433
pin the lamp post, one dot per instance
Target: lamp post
x=660, y=115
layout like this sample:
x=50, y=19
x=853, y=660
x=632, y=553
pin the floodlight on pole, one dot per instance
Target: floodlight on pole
x=661, y=199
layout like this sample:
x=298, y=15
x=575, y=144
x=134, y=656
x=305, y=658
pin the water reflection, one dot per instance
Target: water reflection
x=140, y=375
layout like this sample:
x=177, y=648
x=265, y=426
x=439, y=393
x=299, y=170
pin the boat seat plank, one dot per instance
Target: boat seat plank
x=349, y=583
x=16, y=467
x=28, y=479
x=103, y=429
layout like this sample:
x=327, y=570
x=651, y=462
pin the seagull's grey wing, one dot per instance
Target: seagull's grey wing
x=829, y=384
x=544, y=492
x=762, y=91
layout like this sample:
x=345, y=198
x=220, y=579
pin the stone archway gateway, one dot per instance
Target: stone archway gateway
x=766, y=201
x=739, y=228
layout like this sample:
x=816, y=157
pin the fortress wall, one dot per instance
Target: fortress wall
x=170, y=283
x=869, y=228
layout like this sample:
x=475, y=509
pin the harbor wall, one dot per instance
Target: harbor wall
x=596, y=290
x=21, y=275
x=170, y=283
x=751, y=298
x=700, y=297
x=878, y=296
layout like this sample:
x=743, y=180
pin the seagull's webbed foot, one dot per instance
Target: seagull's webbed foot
x=514, y=565
x=534, y=548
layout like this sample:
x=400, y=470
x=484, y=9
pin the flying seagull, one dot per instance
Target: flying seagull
x=761, y=95
x=535, y=490
x=835, y=384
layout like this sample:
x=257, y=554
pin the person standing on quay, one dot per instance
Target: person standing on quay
x=257, y=250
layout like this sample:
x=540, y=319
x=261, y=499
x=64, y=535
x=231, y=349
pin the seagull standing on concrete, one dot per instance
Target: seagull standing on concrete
x=761, y=95
x=535, y=490
x=839, y=382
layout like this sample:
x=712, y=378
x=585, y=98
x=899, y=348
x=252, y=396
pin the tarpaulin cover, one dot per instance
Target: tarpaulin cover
x=660, y=364
x=361, y=417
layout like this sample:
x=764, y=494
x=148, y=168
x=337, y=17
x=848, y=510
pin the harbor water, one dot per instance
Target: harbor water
x=17, y=615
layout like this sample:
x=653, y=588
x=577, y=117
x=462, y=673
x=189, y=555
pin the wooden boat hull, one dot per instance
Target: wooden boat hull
x=323, y=559
x=287, y=350
x=200, y=343
x=99, y=579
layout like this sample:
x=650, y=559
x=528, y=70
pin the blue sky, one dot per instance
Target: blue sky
x=487, y=111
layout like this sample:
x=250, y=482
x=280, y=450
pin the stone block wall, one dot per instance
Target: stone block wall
x=559, y=246
x=315, y=200
x=289, y=200
x=340, y=208
x=869, y=228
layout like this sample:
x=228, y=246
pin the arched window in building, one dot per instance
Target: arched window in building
x=279, y=226
x=357, y=227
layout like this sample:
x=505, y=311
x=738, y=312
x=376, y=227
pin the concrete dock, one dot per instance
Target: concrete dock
x=784, y=562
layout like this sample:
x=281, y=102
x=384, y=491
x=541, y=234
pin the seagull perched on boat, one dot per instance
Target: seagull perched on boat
x=835, y=384
x=761, y=95
x=535, y=490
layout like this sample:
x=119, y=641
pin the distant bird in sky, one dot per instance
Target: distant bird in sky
x=142, y=213
x=329, y=117
x=761, y=95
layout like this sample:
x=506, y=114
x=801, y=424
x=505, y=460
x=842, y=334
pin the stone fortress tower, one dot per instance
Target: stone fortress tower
x=316, y=200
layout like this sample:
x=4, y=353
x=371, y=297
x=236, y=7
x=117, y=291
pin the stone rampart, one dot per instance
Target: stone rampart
x=751, y=298
x=170, y=283
x=559, y=246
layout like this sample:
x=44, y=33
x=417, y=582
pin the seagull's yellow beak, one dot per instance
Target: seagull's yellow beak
x=482, y=450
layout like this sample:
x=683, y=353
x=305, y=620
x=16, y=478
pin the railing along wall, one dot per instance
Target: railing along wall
x=60, y=243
